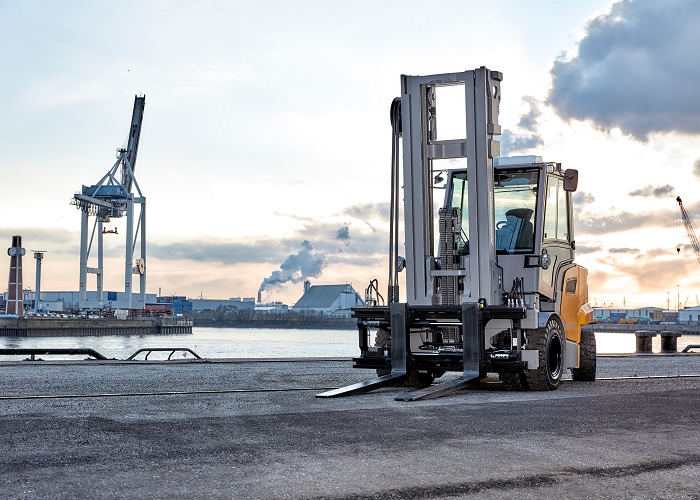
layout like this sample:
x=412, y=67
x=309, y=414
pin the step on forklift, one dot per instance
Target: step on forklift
x=497, y=291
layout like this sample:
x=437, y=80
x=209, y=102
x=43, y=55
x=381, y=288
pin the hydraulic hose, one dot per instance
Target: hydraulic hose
x=395, y=117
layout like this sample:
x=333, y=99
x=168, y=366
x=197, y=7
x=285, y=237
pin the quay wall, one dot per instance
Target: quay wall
x=631, y=328
x=74, y=327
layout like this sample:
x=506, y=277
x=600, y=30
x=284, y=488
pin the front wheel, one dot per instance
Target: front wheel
x=549, y=341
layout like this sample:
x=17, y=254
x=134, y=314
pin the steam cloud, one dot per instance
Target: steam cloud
x=306, y=264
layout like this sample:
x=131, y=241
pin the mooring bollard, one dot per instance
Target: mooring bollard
x=644, y=341
x=669, y=341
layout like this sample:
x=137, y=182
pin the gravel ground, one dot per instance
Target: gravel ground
x=603, y=439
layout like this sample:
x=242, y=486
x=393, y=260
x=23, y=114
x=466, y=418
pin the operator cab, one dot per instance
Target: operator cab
x=532, y=208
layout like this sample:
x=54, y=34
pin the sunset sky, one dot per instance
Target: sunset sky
x=265, y=150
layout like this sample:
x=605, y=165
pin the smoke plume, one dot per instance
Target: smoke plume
x=307, y=263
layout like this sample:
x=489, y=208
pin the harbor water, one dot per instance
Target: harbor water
x=261, y=343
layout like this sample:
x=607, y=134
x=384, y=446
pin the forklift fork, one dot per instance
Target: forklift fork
x=471, y=357
x=471, y=337
x=399, y=358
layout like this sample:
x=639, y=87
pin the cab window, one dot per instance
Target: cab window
x=556, y=217
x=515, y=202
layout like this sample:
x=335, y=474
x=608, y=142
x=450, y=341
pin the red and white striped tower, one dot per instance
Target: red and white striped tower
x=14, y=285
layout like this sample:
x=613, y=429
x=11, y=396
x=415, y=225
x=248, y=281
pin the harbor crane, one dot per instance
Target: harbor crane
x=689, y=227
x=113, y=197
x=491, y=285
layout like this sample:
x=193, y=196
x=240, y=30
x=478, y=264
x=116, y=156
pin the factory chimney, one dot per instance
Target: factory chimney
x=259, y=297
x=38, y=255
x=14, y=284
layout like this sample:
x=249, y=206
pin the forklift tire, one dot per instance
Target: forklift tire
x=549, y=341
x=587, y=364
x=415, y=379
x=382, y=339
x=513, y=381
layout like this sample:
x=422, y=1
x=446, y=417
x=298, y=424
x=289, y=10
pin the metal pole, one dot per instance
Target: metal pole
x=129, y=254
x=83, y=255
x=38, y=256
x=142, y=283
x=100, y=258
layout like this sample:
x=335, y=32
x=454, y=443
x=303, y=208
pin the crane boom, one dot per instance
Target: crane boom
x=133, y=141
x=688, y=222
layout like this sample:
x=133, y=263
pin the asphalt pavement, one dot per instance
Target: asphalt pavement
x=254, y=429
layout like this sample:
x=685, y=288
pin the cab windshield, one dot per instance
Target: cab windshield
x=515, y=202
x=515, y=194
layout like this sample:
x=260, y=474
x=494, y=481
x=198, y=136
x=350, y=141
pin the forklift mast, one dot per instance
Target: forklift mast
x=482, y=97
x=503, y=220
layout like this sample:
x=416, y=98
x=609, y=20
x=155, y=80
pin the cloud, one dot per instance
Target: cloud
x=219, y=251
x=343, y=234
x=369, y=211
x=635, y=69
x=622, y=221
x=657, y=192
x=583, y=248
x=630, y=251
x=581, y=199
x=647, y=272
x=696, y=168
x=529, y=137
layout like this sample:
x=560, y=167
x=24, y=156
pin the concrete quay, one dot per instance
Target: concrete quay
x=253, y=429
x=79, y=327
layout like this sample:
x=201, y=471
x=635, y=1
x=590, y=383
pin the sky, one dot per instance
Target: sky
x=265, y=149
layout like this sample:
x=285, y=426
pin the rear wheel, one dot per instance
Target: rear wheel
x=549, y=341
x=587, y=362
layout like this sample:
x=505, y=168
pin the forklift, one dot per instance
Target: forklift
x=495, y=289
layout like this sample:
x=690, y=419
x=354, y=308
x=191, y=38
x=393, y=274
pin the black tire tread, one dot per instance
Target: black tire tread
x=539, y=380
x=415, y=379
x=512, y=381
x=587, y=364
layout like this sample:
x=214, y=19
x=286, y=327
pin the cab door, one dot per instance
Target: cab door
x=557, y=234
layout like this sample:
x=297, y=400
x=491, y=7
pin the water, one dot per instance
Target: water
x=262, y=343
x=207, y=343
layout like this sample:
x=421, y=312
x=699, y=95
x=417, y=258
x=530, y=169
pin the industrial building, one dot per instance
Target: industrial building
x=634, y=315
x=214, y=304
x=328, y=300
x=66, y=300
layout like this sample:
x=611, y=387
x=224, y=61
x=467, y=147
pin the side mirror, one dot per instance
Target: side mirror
x=570, y=179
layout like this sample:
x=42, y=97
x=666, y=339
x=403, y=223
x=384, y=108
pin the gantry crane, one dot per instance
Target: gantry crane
x=689, y=227
x=112, y=197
